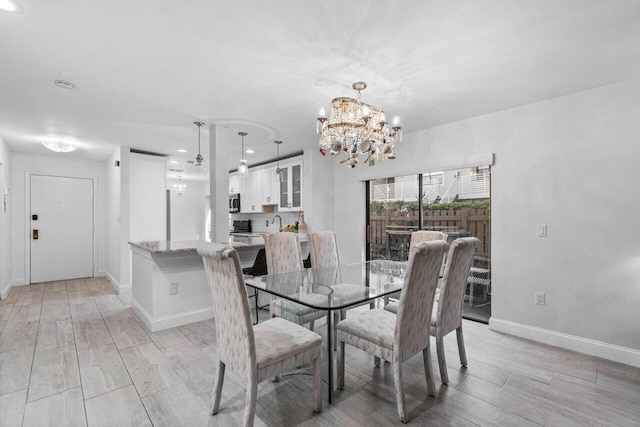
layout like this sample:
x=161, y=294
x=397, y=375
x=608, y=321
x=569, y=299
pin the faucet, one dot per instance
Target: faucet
x=279, y=220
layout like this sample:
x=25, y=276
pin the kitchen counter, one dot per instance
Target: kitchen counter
x=237, y=241
x=169, y=285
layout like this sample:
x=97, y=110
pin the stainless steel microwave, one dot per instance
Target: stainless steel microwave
x=234, y=202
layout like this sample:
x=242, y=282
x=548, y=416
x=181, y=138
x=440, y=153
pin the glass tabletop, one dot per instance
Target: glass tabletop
x=335, y=287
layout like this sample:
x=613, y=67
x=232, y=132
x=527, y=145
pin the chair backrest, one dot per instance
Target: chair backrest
x=284, y=254
x=259, y=267
x=323, y=249
x=426, y=236
x=454, y=283
x=413, y=322
x=234, y=326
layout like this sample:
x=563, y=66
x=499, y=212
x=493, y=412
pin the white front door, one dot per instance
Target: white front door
x=61, y=228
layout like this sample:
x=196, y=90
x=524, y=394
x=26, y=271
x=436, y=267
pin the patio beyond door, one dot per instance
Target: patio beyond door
x=455, y=202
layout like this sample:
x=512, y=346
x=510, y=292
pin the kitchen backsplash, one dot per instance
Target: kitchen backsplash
x=258, y=221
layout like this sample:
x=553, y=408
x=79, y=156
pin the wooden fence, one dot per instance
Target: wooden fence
x=390, y=232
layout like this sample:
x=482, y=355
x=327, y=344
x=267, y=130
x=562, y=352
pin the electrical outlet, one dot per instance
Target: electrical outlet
x=539, y=298
x=267, y=223
x=541, y=230
x=173, y=289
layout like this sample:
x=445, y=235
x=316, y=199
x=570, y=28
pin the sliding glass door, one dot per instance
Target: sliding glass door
x=455, y=202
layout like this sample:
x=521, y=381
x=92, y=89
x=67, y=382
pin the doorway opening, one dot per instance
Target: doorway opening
x=456, y=202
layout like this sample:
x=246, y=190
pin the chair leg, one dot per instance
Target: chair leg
x=217, y=390
x=400, y=397
x=428, y=371
x=336, y=319
x=317, y=385
x=250, y=402
x=341, y=366
x=461, y=350
x=255, y=294
x=442, y=362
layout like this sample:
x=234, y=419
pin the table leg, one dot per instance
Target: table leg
x=330, y=354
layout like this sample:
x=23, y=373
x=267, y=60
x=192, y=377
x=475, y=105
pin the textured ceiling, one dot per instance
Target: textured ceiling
x=146, y=70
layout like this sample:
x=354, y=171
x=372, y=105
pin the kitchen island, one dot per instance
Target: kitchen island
x=169, y=285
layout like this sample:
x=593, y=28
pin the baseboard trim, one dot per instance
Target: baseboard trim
x=161, y=323
x=605, y=350
x=119, y=287
x=4, y=293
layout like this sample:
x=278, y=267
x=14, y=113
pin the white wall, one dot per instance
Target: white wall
x=5, y=220
x=188, y=211
x=569, y=162
x=147, y=198
x=55, y=164
x=113, y=218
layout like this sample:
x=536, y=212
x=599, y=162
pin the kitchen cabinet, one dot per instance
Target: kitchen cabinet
x=291, y=186
x=270, y=183
x=234, y=183
x=250, y=193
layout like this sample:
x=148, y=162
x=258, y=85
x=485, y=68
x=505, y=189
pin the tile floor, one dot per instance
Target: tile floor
x=72, y=353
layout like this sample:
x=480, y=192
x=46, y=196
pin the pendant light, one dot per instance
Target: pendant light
x=278, y=170
x=198, y=164
x=243, y=169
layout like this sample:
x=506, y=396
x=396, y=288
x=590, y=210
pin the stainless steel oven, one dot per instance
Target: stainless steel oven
x=234, y=203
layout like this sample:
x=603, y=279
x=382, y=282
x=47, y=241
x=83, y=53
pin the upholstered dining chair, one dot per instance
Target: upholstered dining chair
x=284, y=255
x=323, y=249
x=426, y=236
x=417, y=237
x=396, y=338
x=447, y=311
x=255, y=352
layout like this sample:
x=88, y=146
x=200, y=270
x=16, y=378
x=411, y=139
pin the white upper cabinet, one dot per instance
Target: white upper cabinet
x=270, y=186
x=264, y=187
x=234, y=183
x=291, y=186
x=250, y=193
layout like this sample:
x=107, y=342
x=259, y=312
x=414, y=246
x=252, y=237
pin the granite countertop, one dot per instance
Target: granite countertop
x=235, y=241
x=163, y=246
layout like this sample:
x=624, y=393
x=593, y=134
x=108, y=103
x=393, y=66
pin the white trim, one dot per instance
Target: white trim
x=115, y=284
x=4, y=293
x=27, y=223
x=616, y=353
x=161, y=323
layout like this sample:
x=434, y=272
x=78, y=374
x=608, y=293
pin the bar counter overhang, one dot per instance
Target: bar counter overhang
x=157, y=265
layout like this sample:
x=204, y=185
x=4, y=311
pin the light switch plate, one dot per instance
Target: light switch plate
x=541, y=230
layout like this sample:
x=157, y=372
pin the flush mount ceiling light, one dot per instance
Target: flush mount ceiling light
x=198, y=164
x=59, y=146
x=355, y=128
x=10, y=6
x=63, y=84
x=243, y=169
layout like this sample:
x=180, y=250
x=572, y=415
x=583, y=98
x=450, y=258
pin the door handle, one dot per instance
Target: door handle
x=35, y=234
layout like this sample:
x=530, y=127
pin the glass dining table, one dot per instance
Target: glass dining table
x=332, y=289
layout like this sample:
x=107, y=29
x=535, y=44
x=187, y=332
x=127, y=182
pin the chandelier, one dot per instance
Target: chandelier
x=357, y=129
x=179, y=187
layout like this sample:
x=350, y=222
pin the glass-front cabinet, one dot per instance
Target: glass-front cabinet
x=291, y=186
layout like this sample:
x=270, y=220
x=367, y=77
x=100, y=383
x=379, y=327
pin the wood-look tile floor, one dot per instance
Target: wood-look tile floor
x=72, y=353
